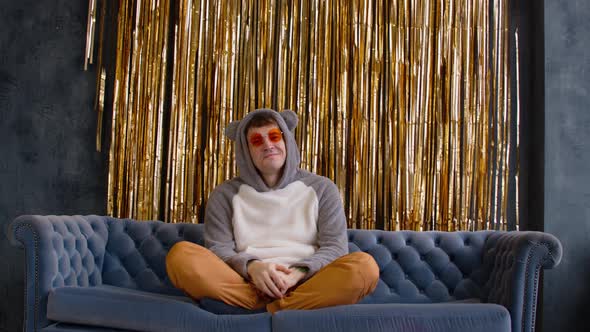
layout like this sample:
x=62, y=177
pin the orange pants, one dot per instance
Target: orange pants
x=200, y=273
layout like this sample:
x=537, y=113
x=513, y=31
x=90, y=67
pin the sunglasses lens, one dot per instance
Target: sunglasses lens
x=256, y=140
x=275, y=135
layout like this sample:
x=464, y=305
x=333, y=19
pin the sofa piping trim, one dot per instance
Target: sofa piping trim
x=535, y=285
x=36, y=255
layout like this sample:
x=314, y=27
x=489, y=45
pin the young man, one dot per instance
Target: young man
x=276, y=234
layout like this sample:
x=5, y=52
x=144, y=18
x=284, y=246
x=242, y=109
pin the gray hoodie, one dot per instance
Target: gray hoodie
x=299, y=222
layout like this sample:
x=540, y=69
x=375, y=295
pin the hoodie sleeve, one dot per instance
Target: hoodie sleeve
x=219, y=235
x=332, y=236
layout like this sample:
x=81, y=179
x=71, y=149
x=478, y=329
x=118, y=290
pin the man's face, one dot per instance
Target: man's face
x=267, y=149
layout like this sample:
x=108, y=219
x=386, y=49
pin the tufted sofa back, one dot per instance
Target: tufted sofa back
x=425, y=267
x=75, y=245
x=135, y=255
x=416, y=267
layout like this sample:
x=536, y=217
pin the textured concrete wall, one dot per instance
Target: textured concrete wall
x=48, y=164
x=567, y=162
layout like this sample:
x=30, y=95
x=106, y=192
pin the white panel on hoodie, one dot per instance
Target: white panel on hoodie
x=278, y=226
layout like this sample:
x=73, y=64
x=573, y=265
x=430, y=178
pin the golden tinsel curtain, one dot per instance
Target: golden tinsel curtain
x=406, y=105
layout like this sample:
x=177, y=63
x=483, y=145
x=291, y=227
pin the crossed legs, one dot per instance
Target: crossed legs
x=200, y=273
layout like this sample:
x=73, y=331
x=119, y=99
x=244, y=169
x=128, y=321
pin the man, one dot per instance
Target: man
x=276, y=234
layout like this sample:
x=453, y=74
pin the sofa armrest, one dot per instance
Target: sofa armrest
x=59, y=251
x=515, y=260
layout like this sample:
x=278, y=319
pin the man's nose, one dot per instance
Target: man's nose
x=266, y=142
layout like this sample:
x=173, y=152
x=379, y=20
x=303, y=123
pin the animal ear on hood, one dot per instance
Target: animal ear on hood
x=231, y=130
x=290, y=118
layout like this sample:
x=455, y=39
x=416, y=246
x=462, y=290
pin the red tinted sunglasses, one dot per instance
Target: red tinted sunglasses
x=274, y=135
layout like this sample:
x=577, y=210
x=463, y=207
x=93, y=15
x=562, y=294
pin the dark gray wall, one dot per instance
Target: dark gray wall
x=527, y=21
x=567, y=162
x=48, y=163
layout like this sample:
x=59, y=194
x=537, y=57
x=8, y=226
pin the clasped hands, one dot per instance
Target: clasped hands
x=272, y=279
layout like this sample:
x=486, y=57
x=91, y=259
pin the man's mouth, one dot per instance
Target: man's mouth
x=271, y=155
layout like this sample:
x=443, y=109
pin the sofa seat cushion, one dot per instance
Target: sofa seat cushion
x=435, y=317
x=122, y=308
x=222, y=308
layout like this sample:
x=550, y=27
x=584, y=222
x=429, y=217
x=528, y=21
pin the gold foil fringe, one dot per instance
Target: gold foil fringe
x=406, y=105
x=90, y=28
x=136, y=148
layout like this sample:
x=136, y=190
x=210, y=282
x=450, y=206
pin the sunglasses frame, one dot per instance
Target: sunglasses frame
x=257, y=139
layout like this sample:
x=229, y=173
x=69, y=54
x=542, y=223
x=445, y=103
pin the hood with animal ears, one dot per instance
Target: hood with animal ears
x=236, y=131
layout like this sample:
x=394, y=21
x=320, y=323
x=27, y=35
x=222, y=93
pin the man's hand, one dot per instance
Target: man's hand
x=292, y=278
x=270, y=278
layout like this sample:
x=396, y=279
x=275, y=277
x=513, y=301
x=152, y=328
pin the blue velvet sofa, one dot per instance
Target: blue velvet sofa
x=96, y=273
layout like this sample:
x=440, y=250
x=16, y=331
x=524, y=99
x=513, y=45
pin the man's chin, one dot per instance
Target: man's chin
x=273, y=161
x=273, y=165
